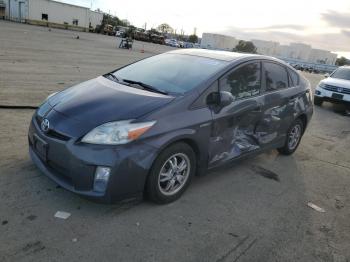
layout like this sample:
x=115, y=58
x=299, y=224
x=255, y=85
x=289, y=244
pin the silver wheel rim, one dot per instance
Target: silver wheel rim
x=294, y=137
x=174, y=174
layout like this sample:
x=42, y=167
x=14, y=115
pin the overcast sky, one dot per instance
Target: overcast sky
x=324, y=24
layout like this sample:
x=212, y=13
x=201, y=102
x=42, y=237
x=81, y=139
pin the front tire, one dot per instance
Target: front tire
x=294, y=134
x=171, y=173
x=318, y=101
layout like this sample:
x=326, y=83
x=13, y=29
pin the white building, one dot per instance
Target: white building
x=266, y=47
x=283, y=51
x=53, y=13
x=320, y=56
x=299, y=51
x=296, y=51
x=218, y=42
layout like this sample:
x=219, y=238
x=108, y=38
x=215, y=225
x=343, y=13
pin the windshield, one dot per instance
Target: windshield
x=171, y=73
x=342, y=73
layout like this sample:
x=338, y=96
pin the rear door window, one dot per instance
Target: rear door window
x=276, y=76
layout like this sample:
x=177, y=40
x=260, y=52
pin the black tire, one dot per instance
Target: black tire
x=318, y=101
x=153, y=190
x=287, y=149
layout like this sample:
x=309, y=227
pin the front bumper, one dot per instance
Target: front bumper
x=72, y=165
x=326, y=95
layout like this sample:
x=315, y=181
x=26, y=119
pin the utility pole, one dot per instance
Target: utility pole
x=195, y=31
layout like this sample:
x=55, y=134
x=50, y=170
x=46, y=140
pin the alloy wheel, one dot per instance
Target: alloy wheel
x=294, y=137
x=174, y=174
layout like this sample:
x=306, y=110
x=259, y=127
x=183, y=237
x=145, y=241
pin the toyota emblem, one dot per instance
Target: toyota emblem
x=45, y=125
x=340, y=89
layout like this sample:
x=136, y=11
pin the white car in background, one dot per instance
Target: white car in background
x=172, y=42
x=335, y=88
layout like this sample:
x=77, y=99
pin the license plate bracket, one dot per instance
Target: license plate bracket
x=337, y=96
x=40, y=147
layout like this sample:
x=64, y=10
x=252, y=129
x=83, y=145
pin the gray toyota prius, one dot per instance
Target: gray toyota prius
x=147, y=128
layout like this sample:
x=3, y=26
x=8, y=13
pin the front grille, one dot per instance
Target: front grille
x=336, y=89
x=52, y=133
x=57, y=135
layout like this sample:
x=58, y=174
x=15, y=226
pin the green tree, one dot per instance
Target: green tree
x=342, y=61
x=245, y=47
x=112, y=20
x=193, y=39
x=165, y=28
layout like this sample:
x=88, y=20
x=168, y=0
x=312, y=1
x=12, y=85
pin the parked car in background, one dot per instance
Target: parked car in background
x=120, y=34
x=157, y=39
x=172, y=42
x=152, y=125
x=108, y=30
x=335, y=88
x=188, y=45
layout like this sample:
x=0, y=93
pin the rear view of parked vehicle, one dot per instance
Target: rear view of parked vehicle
x=149, y=127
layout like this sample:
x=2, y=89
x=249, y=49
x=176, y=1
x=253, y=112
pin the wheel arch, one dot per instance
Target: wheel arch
x=303, y=119
x=192, y=143
x=182, y=139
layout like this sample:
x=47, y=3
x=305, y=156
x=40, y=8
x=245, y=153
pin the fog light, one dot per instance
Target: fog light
x=317, y=92
x=101, y=178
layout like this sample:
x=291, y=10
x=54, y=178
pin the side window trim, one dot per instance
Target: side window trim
x=290, y=80
x=200, y=101
x=240, y=66
x=290, y=72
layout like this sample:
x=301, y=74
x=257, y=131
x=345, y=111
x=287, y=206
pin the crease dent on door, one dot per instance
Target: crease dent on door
x=235, y=126
x=242, y=140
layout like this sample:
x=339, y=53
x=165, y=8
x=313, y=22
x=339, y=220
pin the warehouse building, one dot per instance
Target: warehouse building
x=298, y=52
x=52, y=13
x=265, y=47
x=218, y=42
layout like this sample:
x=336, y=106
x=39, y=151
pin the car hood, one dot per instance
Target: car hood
x=337, y=82
x=101, y=100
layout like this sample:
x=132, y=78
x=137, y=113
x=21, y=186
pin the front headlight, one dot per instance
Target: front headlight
x=116, y=133
x=322, y=85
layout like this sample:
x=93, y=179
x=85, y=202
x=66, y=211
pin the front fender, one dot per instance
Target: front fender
x=196, y=138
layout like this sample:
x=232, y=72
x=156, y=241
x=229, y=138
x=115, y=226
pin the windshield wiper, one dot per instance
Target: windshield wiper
x=114, y=78
x=145, y=86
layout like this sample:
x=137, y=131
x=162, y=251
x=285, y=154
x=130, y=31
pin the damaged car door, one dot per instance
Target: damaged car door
x=279, y=103
x=234, y=126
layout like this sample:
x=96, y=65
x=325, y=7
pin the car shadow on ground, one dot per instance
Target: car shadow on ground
x=339, y=109
x=254, y=204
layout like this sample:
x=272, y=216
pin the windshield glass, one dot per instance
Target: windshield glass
x=171, y=73
x=342, y=73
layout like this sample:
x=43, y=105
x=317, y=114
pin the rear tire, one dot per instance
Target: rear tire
x=294, y=135
x=318, y=101
x=171, y=173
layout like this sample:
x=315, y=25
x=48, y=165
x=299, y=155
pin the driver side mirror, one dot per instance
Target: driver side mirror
x=226, y=98
x=326, y=75
x=220, y=99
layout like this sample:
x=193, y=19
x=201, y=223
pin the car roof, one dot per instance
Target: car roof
x=214, y=54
